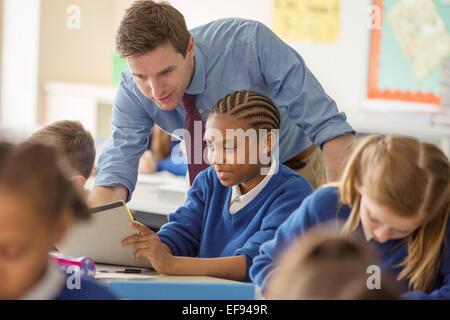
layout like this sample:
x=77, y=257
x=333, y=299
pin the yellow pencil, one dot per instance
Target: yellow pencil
x=131, y=216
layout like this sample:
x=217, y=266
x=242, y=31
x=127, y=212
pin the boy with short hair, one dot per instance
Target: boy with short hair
x=75, y=144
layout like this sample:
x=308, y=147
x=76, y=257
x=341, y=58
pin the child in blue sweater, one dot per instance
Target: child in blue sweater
x=396, y=192
x=233, y=206
x=163, y=154
x=38, y=202
x=322, y=264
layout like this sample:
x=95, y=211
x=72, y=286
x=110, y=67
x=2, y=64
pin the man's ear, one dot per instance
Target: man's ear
x=79, y=180
x=190, y=48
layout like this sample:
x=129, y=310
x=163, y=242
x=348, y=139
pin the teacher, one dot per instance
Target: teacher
x=176, y=76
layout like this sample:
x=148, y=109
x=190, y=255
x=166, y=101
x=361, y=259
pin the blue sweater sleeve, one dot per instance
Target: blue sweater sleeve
x=443, y=292
x=183, y=231
x=317, y=207
x=289, y=199
x=175, y=163
x=168, y=165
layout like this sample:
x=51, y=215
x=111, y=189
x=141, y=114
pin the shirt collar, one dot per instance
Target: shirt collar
x=236, y=191
x=367, y=234
x=49, y=286
x=197, y=84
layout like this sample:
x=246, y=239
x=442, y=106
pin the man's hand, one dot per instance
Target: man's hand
x=148, y=245
x=336, y=153
x=103, y=195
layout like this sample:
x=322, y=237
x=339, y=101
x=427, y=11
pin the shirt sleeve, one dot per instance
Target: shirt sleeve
x=296, y=88
x=286, y=203
x=183, y=231
x=131, y=126
x=264, y=263
x=442, y=293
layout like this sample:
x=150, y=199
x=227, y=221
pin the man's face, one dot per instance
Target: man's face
x=163, y=74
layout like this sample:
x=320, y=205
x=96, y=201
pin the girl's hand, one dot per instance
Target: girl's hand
x=148, y=245
x=147, y=163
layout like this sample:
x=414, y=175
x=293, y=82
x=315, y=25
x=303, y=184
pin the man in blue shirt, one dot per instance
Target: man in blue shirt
x=166, y=61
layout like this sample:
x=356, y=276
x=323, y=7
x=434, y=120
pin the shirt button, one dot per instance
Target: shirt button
x=200, y=111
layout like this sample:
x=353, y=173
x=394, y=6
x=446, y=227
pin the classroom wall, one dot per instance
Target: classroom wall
x=78, y=55
x=341, y=68
x=20, y=30
x=83, y=55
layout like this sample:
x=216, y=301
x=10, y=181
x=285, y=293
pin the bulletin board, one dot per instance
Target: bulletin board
x=407, y=50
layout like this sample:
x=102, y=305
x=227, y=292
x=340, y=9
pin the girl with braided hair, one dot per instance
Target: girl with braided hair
x=233, y=206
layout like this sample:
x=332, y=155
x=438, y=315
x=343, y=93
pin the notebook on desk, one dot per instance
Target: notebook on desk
x=99, y=237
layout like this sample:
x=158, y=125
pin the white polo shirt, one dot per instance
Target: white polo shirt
x=238, y=200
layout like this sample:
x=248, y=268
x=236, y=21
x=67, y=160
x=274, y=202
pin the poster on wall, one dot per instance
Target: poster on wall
x=408, y=49
x=307, y=20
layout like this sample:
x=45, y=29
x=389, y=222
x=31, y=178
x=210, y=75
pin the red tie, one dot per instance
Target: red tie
x=194, y=149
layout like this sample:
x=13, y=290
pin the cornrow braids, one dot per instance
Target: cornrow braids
x=257, y=110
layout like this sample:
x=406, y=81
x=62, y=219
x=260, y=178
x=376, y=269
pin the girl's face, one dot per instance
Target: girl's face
x=236, y=160
x=25, y=241
x=383, y=224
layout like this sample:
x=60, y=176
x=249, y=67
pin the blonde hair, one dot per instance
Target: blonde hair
x=412, y=179
x=323, y=264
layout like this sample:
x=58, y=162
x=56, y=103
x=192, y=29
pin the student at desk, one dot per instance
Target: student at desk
x=38, y=203
x=396, y=192
x=234, y=205
x=75, y=144
x=163, y=154
x=324, y=265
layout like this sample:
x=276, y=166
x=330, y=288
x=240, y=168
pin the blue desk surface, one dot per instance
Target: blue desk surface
x=149, y=285
x=182, y=290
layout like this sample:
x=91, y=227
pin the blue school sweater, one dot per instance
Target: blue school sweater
x=322, y=206
x=89, y=290
x=203, y=227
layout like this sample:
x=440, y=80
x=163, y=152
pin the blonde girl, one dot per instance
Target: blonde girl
x=395, y=190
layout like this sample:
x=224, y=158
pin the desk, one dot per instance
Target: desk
x=149, y=285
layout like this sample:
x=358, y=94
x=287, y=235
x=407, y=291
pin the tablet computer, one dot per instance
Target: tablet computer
x=99, y=237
